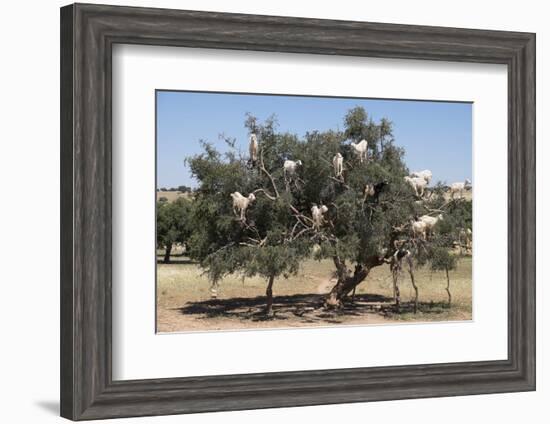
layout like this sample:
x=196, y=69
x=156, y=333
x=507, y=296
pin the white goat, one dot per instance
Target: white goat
x=317, y=215
x=360, y=149
x=418, y=184
x=290, y=167
x=338, y=163
x=419, y=228
x=426, y=174
x=430, y=221
x=459, y=188
x=241, y=203
x=253, y=147
x=465, y=238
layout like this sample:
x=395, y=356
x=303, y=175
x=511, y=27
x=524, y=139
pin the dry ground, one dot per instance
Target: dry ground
x=171, y=195
x=184, y=302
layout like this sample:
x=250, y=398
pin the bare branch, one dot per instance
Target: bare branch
x=253, y=240
x=254, y=230
x=294, y=227
x=300, y=216
x=440, y=210
x=341, y=181
x=302, y=232
x=261, y=190
x=262, y=167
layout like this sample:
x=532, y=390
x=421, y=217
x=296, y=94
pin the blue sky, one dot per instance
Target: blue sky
x=435, y=135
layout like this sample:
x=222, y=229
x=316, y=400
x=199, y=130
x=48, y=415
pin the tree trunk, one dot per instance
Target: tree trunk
x=343, y=287
x=167, y=253
x=448, y=285
x=411, y=273
x=269, y=296
x=347, y=283
x=396, y=293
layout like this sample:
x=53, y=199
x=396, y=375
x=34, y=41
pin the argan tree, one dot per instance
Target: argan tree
x=361, y=229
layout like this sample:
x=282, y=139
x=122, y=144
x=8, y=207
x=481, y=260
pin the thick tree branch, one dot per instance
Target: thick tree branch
x=341, y=181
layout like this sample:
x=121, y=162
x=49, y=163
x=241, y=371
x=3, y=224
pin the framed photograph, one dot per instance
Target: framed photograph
x=263, y=211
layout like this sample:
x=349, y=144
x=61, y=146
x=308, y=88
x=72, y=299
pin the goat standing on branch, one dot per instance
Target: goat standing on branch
x=253, y=148
x=431, y=221
x=426, y=224
x=317, y=215
x=338, y=163
x=426, y=175
x=419, y=229
x=290, y=168
x=418, y=184
x=360, y=150
x=459, y=188
x=241, y=203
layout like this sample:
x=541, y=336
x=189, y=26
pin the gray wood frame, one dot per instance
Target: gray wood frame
x=88, y=33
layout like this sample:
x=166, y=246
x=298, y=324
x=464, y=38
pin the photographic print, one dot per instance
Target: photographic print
x=285, y=211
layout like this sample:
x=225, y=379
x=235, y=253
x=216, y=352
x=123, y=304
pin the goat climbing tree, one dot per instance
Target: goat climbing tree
x=361, y=229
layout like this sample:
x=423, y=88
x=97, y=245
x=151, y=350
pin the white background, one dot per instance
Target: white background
x=30, y=181
x=139, y=70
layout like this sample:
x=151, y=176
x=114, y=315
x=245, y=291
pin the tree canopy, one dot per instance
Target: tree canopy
x=174, y=224
x=360, y=229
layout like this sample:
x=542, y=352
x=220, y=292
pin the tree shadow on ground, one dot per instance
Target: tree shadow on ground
x=426, y=308
x=308, y=307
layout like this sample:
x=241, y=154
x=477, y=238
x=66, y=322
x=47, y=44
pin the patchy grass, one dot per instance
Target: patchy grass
x=184, y=300
x=172, y=196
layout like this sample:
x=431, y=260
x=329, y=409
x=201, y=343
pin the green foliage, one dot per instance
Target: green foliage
x=184, y=189
x=441, y=259
x=277, y=233
x=173, y=222
x=359, y=126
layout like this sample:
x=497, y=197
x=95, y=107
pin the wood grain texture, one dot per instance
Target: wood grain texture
x=66, y=213
x=88, y=33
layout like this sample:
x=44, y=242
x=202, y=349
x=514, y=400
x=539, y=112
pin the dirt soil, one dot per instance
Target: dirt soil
x=184, y=301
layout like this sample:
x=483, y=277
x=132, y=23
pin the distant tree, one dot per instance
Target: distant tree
x=163, y=199
x=173, y=224
x=184, y=189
